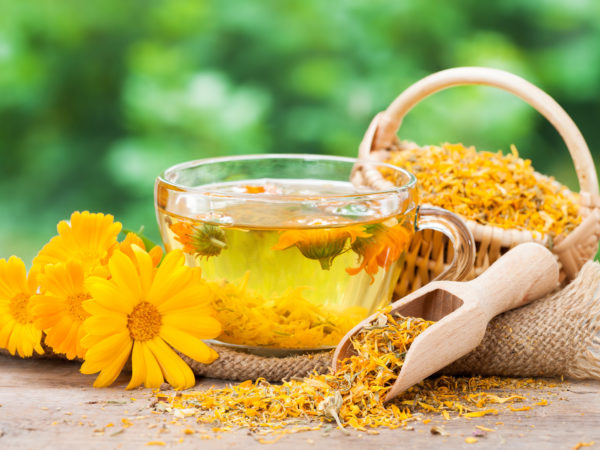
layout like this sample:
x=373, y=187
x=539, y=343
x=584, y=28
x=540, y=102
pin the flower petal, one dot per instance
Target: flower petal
x=92, y=307
x=170, y=276
x=13, y=277
x=106, y=349
x=107, y=295
x=106, y=324
x=138, y=366
x=125, y=276
x=176, y=371
x=14, y=339
x=202, y=327
x=287, y=239
x=188, y=344
x=182, y=297
x=70, y=344
x=154, y=375
x=110, y=373
x=6, y=331
x=145, y=267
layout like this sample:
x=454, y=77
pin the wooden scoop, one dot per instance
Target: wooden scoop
x=462, y=311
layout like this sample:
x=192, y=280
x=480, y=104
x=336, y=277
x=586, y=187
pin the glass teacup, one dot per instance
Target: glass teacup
x=297, y=249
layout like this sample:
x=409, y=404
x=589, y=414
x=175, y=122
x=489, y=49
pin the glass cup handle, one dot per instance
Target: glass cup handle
x=439, y=219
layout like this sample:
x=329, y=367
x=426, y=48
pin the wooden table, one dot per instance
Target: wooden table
x=49, y=404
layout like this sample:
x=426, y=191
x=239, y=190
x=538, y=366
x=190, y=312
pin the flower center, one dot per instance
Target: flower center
x=19, y=308
x=144, y=322
x=208, y=240
x=74, y=307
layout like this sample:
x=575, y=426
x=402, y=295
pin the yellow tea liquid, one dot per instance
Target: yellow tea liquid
x=291, y=276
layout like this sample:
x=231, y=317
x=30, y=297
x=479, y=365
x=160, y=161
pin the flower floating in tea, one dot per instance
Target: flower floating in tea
x=322, y=244
x=18, y=334
x=383, y=247
x=204, y=240
x=377, y=245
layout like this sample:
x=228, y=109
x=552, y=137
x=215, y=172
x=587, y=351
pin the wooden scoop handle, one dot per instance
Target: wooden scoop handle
x=523, y=274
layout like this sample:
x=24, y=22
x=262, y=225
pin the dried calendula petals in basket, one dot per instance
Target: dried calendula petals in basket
x=491, y=188
x=504, y=202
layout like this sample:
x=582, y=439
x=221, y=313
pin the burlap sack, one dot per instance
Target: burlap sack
x=554, y=336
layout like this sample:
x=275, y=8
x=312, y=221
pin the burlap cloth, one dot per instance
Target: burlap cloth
x=556, y=335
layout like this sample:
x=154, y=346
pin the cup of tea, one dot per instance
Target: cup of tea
x=297, y=249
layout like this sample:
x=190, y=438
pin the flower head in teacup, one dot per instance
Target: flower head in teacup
x=322, y=244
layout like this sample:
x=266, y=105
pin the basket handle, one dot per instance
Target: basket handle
x=383, y=129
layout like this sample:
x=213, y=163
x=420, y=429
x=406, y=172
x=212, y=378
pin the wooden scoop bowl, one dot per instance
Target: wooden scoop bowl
x=462, y=311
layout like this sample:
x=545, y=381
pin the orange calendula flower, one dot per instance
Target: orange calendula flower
x=88, y=238
x=322, y=244
x=147, y=312
x=204, y=240
x=381, y=248
x=17, y=291
x=58, y=311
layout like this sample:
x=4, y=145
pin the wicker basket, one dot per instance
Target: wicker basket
x=430, y=252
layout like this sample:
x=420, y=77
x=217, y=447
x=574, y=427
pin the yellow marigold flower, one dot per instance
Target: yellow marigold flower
x=58, y=311
x=381, y=249
x=17, y=331
x=322, y=244
x=146, y=312
x=88, y=238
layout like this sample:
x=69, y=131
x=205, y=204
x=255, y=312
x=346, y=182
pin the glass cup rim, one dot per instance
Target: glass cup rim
x=201, y=190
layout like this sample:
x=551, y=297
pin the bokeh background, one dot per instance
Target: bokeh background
x=97, y=98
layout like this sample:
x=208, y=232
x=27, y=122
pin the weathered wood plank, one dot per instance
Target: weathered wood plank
x=49, y=404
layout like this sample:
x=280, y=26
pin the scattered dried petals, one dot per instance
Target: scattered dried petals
x=583, y=444
x=522, y=408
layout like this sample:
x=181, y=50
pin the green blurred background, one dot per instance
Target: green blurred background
x=96, y=98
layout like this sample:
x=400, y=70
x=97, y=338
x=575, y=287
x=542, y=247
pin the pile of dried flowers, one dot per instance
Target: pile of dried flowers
x=92, y=297
x=490, y=188
x=354, y=395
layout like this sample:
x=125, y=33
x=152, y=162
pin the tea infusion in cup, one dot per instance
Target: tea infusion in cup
x=296, y=249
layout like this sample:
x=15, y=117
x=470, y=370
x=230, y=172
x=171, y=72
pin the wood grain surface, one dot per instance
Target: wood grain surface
x=49, y=404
